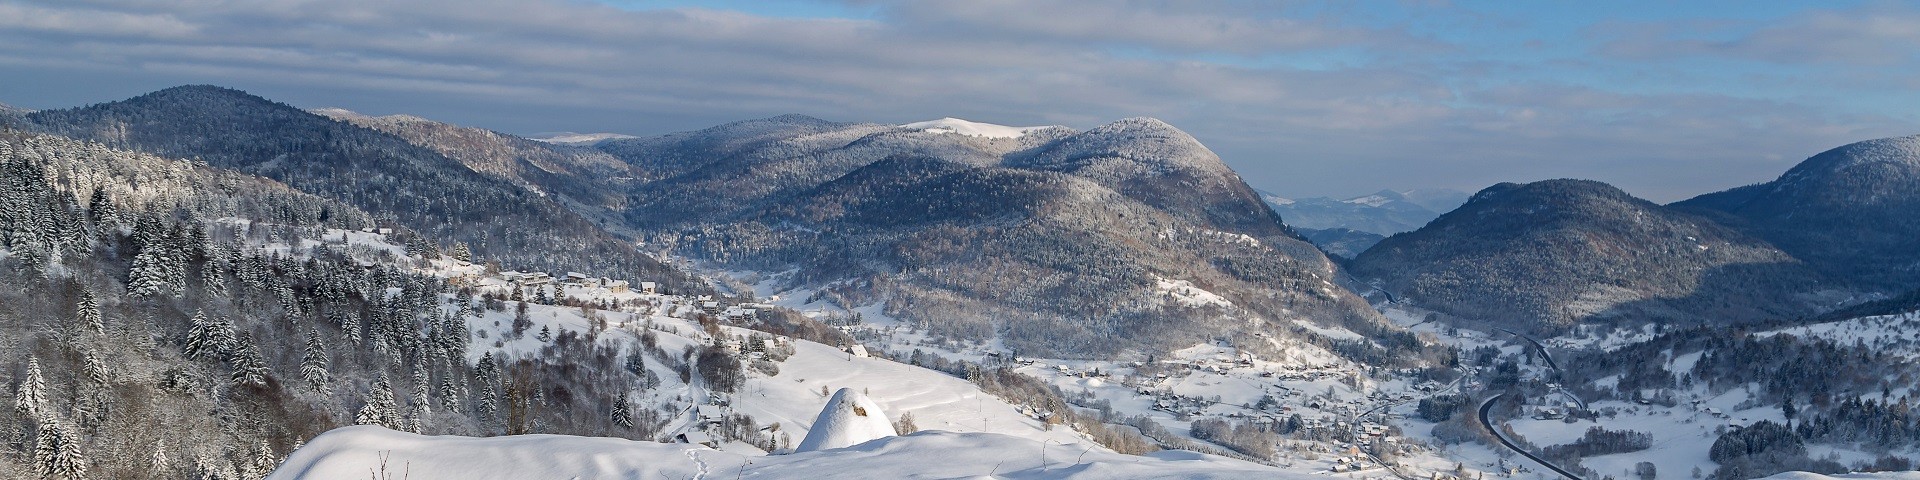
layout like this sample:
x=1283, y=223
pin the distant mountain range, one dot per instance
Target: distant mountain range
x=1384, y=213
x=1129, y=237
x=1836, y=230
x=1059, y=242
x=1346, y=227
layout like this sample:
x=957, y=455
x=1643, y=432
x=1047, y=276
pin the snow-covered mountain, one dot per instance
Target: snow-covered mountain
x=1050, y=242
x=1549, y=254
x=973, y=129
x=571, y=138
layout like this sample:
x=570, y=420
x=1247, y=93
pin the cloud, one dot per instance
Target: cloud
x=1406, y=111
x=1868, y=36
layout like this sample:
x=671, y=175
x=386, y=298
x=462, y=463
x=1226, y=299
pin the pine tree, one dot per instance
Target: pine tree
x=96, y=370
x=87, y=313
x=261, y=460
x=379, y=409
x=151, y=274
x=57, y=452
x=621, y=416
x=313, y=364
x=462, y=253
x=546, y=334
x=248, y=367
x=31, y=396
x=207, y=338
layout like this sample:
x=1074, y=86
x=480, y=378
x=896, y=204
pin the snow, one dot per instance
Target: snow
x=1370, y=200
x=1847, y=476
x=971, y=129
x=358, y=451
x=570, y=138
x=849, y=419
x=1184, y=293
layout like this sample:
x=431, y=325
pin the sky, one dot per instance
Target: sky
x=1664, y=99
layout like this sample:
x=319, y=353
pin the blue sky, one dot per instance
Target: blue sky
x=1664, y=99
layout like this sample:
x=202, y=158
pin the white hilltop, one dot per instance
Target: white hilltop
x=971, y=129
x=849, y=419
x=365, y=450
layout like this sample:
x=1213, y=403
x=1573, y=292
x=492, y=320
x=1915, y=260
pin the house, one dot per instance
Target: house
x=615, y=286
x=857, y=350
x=697, y=438
x=578, y=279
x=711, y=414
x=648, y=288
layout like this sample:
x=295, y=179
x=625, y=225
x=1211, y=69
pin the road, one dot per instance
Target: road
x=1487, y=408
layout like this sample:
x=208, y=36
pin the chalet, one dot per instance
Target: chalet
x=578, y=279
x=648, y=288
x=711, y=414
x=615, y=286
x=697, y=438
x=857, y=350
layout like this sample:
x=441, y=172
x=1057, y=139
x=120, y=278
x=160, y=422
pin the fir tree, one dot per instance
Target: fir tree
x=379, y=409
x=31, y=395
x=248, y=367
x=86, y=313
x=462, y=253
x=546, y=334
x=151, y=274
x=261, y=461
x=313, y=364
x=57, y=452
x=621, y=416
x=207, y=338
x=96, y=370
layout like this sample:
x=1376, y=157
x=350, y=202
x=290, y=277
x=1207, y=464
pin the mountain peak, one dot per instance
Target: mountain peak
x=1895, y=150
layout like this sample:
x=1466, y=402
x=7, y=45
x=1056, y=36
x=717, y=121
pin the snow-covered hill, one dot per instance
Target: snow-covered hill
x=353, y=452
x=570, y=138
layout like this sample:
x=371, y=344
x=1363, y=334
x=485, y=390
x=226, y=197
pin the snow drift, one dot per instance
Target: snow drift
x=355, y=452
x=850, y=418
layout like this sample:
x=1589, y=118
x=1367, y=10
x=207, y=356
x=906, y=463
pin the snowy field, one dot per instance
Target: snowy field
x=362, y=451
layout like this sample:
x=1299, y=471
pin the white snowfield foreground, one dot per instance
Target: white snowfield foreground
x=359, y=451
x=1847, y=476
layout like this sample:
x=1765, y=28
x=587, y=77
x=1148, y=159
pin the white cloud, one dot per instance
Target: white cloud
x=563, y=65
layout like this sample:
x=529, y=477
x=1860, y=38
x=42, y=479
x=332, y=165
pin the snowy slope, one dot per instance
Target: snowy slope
x=972, y=129
x=1847, y=476
x=355, y=452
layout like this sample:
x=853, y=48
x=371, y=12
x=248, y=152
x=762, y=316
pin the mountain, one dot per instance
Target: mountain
x=1549, y=254
x=380, y=173
x=1383, y=213
x=587, y=179
x=1341, y=242
x=581, y=139
x=1055, y=241
x=1848, y=212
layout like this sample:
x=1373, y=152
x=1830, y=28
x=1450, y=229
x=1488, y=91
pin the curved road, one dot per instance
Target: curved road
x=1487, y=407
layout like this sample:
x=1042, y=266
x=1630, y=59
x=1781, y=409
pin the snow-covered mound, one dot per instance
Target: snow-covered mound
x=1847, y=476
x=849, y=419
x=355, y=452
x=973, y=129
